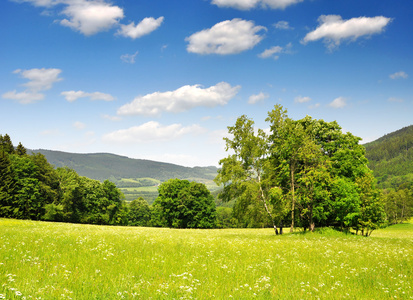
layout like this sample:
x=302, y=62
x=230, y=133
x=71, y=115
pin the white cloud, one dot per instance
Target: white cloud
x=249, y=4
x=227, y=37
x=79, y=125
x=129, y=58
x=284, y=25
x=333, y=29
x=91, y=17
x=256, y=98
x=39, y=80
x=151, y=132
x=300, y=99
x=274, y=52
x=398, y=75
x=182, y=99
x=339, y=102
x=23, y=97
x=270, y=52
x=145, y=27
x=72, y=96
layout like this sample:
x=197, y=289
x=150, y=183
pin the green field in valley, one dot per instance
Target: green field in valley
x=40, y=260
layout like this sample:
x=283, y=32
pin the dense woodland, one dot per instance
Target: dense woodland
x=303, y=173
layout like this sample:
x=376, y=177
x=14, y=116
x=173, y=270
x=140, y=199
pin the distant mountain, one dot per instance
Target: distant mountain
x=103, y=166
x=391, y=158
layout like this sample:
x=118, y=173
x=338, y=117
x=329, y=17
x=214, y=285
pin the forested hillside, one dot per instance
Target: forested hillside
x=391, y=158
x=101, y=166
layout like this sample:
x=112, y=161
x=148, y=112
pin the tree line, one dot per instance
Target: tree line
x=31, y=188
x=299, y=173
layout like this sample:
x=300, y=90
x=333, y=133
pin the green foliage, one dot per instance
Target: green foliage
x=306, y=172
x=391, y=158
x=398, y=205
x=184, y=204
x=139, y=213
x=30, y=188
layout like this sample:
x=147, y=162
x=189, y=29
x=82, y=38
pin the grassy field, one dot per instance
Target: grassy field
x=40, y=260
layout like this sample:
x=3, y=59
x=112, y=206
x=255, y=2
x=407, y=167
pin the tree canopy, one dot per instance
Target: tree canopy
x=185, y=204
x=304, y=172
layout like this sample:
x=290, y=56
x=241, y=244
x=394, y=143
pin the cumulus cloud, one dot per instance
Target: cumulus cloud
x=129, y=58
x=182, y=99
x=249, y=4
x=145, y=27
x=300, y=99
x=333, y=29
x=257, y=98
x=398, y=75
x=72, y=96
x=39, y=80
x=151, y=132
x=339, y=102
x=91, y=17
x=227, y=37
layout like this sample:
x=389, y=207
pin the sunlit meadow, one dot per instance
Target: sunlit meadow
x=40, y=260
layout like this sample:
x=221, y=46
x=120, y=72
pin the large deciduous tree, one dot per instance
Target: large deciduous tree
x=184, y=204
x=242, y=174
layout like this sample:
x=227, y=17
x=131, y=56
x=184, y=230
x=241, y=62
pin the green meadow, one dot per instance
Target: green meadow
x=41, y=260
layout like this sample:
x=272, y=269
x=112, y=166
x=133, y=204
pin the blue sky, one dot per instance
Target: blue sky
x=162, y=79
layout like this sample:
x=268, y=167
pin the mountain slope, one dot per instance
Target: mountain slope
x=391, y=157
x=103, y=166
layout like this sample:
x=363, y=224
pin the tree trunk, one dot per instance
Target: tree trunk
x=293, y=199
x=312, y=225
x=265, y=205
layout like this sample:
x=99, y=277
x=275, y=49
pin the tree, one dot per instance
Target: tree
x=6, y=144
x=242, y=173
x=184, y=204
x=139, y=213
x=20, y=150
x=7, y=185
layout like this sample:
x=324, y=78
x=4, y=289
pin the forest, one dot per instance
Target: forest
x=300, y=174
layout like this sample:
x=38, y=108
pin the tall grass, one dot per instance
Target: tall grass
x=40, y=260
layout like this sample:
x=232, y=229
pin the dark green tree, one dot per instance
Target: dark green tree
x=6, y=144
x=184, y=204
x=7, y=186
x=139, y=213
x=20, y=150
